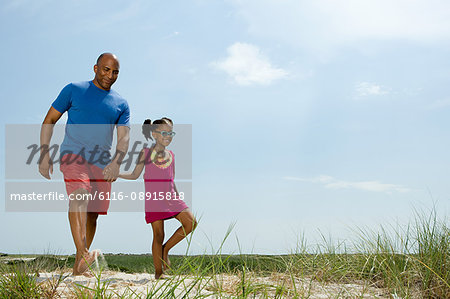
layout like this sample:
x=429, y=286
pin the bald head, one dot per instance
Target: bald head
x=107, y=55
x=106, y=71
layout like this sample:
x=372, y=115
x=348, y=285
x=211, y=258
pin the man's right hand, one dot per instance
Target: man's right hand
x=46, y=167
x=46, y=164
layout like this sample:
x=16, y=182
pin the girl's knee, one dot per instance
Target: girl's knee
x=194, y=224
x=158, y=236
x=189, y=226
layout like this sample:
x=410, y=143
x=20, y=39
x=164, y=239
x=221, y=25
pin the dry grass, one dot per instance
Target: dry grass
x=408, y=262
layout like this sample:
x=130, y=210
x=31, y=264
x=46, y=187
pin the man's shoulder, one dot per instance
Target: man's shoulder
x=82, y=85
x=119, y=99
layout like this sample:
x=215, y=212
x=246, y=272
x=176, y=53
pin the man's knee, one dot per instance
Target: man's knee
x=78, y=205
x=78, y=199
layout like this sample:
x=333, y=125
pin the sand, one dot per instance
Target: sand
x=139, y=285
x=60, y=284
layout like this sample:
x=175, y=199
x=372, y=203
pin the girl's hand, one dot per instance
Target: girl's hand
x=137, y=170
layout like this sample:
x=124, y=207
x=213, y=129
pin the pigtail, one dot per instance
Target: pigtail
x=147, y=129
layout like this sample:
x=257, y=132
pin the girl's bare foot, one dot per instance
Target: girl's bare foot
x=88, y=274
x=166, y=261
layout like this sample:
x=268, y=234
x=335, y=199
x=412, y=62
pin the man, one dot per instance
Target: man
x=93, y=111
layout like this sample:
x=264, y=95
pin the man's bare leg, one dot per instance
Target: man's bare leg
x=188, y=224
x=78, y=220
x=91, y=226
x=158, y=239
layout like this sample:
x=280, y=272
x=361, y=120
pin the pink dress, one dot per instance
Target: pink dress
x=161, y=202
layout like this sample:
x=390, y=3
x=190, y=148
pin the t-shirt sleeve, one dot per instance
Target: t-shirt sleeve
x=124, y=117
x=64, y=99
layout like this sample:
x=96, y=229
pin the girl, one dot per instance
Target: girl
x=158, y=179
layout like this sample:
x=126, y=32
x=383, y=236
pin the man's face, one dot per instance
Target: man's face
x=106, y=72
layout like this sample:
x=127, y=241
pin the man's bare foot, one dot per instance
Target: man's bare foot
x=166, y=261
x=75, y=265
x=160, y=276
x=85, y=262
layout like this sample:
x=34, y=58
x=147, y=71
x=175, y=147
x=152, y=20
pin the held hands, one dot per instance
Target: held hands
x=46, y=166
x=111, y=172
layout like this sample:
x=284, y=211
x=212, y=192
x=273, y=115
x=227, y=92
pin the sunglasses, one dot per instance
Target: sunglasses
x=166, y=133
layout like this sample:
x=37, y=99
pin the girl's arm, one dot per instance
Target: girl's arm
x=176, y=190
x=174, y=186
x=137, y=170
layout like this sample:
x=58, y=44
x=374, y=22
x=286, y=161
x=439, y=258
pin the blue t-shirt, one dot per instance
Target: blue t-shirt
x=92, y=115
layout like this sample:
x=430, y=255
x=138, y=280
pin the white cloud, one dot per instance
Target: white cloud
x=30, y=6
x=364, y=89
x=115, y=15
x=439, y=104
x=173, y=34
x=333, y=183
x=324, y=24
x=246, y=65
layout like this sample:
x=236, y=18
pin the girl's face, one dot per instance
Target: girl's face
x=162, y=134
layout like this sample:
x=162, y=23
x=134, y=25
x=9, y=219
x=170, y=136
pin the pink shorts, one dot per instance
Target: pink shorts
x=79, y=174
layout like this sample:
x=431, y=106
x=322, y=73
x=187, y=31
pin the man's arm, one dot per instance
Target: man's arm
x=45, y=164
x=111, y=171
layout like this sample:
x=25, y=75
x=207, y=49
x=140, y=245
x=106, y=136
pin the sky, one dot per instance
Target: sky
x=309, y=119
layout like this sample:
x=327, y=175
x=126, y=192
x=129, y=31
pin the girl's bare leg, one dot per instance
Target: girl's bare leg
x=188, y=224
x=157, y=245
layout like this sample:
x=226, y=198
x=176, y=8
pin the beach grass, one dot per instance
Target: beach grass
x=411, y=261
